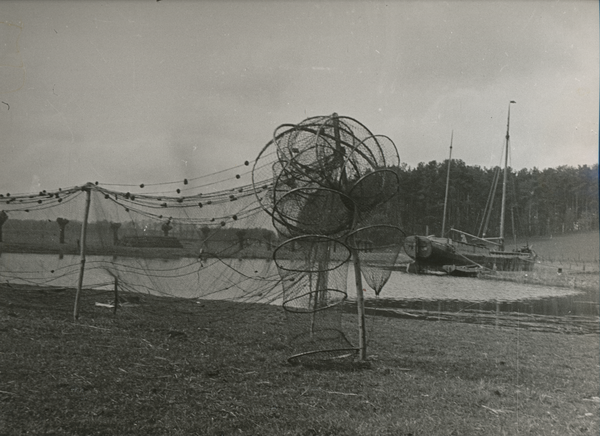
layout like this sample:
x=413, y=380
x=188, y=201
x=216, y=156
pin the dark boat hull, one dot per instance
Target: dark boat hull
x=441, y=254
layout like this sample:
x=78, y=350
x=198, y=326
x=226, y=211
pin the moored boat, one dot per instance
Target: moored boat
x=453, y=256
x=461, y=253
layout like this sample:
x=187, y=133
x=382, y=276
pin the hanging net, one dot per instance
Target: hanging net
x=273, y=230
x=314, y=271
x=378, y=247
x=196, y=238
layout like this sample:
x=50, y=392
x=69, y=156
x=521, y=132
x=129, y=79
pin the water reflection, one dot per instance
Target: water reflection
x=426, y=297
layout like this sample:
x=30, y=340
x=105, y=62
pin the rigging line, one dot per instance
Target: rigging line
x=165, y=194
x=37, y=199
x=39, y=271
x=44, y=205
x=190, y=179
x=197, y=221
x=243, y=174
x=183, y=202
x=39, y=274
x=237, y=271
x=247, y=188
x=232, y=285
x=179, y=202
x=489, y=204
x=70, y=265
x=39, y=282
x=157, y=274
x=122, y=268
x=211, y=195
x=261, y=297
x=210, y=184
x=44, y=193
x=27, y=194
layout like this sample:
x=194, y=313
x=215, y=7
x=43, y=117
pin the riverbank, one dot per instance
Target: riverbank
x=583, y=276
x=180, y=367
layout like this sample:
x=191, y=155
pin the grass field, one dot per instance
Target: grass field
x=164, y=366
x=566, y=260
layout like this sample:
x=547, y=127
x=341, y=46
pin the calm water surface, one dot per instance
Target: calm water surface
x=255, y=280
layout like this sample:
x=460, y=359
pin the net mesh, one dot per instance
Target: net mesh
x=183, y=239
x=272, y=230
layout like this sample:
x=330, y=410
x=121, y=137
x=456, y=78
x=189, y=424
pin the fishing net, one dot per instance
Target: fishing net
x=330, y=174
x=192, y=238
x=273, y=230
x=377, y=247
x=314, y=271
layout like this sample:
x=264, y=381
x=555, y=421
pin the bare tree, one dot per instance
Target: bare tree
x=115, y=229
x=167, y=227
x=62, y=223
x=3, y=219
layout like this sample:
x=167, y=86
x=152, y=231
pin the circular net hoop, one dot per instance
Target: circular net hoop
x=331, y=152
x=319, y=356
x=310, y=210
x=317, y=147
x=311, y=253
x=373, y=189
x=374, y=152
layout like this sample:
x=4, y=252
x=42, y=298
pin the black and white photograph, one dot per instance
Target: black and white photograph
x=299, y=217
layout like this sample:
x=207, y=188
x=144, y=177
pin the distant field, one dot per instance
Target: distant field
x=575, y=247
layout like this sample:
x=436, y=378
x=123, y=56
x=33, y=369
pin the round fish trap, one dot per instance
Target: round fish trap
x=328, y=175
x=313, y=271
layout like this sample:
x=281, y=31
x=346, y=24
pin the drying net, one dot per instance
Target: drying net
x=278, y=230
x=330, y=177
x=186, y=238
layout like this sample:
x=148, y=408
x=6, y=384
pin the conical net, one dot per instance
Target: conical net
x=377, y=247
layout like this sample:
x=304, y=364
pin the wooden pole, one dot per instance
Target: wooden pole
x=360, y=299
x=504, y=181
x=497, y=313
x=116, y=295
x=88, y=192
x=447, y=184
x=360, y=306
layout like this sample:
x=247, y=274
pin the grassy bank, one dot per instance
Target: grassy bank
x=176, y=367
x=573, y=249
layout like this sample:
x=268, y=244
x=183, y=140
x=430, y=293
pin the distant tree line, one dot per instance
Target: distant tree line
x=538, y=202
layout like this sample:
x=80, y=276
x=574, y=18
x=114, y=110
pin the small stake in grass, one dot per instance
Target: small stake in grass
x=116, y=295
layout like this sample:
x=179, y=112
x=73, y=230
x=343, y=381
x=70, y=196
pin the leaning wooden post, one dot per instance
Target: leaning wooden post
x=88, y=192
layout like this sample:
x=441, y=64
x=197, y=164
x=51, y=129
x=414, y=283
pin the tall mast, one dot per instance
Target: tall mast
x=504, y=180
x=447, y=183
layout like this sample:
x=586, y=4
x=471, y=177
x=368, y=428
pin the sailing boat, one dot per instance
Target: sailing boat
x=465, y=254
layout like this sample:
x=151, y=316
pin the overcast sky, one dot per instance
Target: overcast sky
x=147, y=91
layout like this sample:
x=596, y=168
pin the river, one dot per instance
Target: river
x=246, y=279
